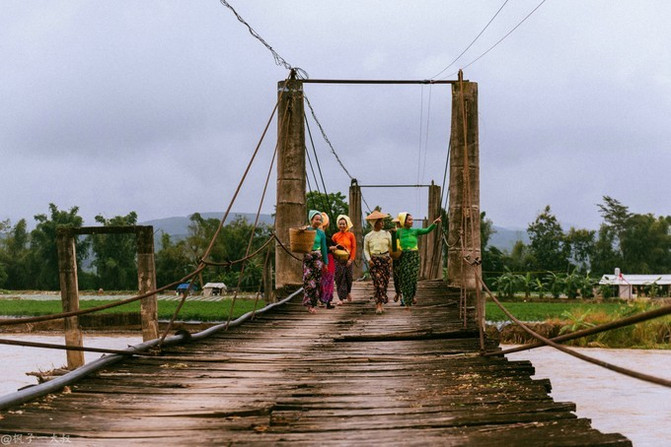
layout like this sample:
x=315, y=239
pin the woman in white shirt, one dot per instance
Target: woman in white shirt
x=376, y=246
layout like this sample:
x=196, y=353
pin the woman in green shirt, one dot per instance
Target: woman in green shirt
x=409, y=262
x=314, y=263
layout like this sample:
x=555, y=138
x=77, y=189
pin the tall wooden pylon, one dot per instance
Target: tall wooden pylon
x=290, y=211
x=464, y=251
x=357, y=229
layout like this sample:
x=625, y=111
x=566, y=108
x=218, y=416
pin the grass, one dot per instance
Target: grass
x=192, y=310
x=532, y=311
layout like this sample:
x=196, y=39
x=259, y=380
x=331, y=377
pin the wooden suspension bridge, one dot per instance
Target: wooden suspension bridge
x=344, y=376
x=341, y=377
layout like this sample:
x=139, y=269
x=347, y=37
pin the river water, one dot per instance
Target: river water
x=615, y=403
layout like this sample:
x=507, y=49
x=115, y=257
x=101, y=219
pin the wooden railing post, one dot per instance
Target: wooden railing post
x=67, y=276
x=146, y=276
x=357, y=229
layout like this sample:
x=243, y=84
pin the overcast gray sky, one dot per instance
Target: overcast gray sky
x=156, y=106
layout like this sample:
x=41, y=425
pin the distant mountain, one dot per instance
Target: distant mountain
x=505, y=238
x=178, y=227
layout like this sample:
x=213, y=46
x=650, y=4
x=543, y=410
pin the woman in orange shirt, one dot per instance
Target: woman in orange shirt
x=344, y=239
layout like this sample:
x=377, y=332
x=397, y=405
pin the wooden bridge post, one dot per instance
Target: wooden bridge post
x=290, y=211
x=146, y=277
x=432, y=260
x=357, y=229
x=67, y=276
x=464, y=209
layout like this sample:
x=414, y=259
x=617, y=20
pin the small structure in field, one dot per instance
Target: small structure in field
x=627, y=283
x=183, y=287
x=214, y=289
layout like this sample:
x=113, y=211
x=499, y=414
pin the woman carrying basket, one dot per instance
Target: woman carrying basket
x=314, y=263
x=409, y=265
x=344, y=240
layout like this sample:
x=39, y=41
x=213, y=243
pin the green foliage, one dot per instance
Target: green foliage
x=43, y=259
x=332, y=204
x=115, y=254
x=548, y=248
x=554, y=283
x=506, y=284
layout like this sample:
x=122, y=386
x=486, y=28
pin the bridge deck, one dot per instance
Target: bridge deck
x=342, y=376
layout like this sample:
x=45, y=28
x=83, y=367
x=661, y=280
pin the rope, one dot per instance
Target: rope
x=223, y=219
x=623, y=322
x=547, y=341
x=256, y=222
x=230, y=263
x=74, y=313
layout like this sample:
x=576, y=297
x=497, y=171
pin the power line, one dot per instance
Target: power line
x=471, y=44
x=501, y=39
x=279, y=60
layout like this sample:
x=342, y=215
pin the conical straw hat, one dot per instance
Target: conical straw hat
x=375, y=215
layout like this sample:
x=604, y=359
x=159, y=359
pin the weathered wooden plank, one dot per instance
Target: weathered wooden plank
x=343, y=376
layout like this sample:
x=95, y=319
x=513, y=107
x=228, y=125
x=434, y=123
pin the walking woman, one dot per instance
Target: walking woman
x=327, y=275
x=409, y=265
x=396, y=263
x=376, y=246
x=314, y=263
x=343, y=269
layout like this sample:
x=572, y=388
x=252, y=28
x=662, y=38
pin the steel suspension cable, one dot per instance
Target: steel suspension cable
x=333, y=151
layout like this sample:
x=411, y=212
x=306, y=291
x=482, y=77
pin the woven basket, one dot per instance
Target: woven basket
x=395, y=255
x=301, y=240
x=341, y=255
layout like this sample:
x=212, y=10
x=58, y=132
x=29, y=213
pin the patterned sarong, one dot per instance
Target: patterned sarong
x=343, y=279
x=312, y=275
x=408, y=272
x=380, y=270
x=327, y=282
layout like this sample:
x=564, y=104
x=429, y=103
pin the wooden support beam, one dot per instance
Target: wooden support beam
x=464, y=209
x=357, y=229
x=290, y=210
x=146, y=276
x=67, y=275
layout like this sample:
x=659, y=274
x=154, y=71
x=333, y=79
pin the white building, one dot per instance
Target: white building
x=625, y=283
x=214, y=288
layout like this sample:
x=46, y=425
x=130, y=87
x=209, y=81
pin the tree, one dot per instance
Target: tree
x=115, y=254
x=172, y=261
x=581, y=246
x=548, y=248
x=332, y=204
x=43, y=250
x=230, y=245
x=14, y=255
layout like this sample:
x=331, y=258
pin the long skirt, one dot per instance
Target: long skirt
x=343, y=279
x=396, y=269
x=327, y=282
x=380, y=270
x=408, y=272
x=312, y=275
